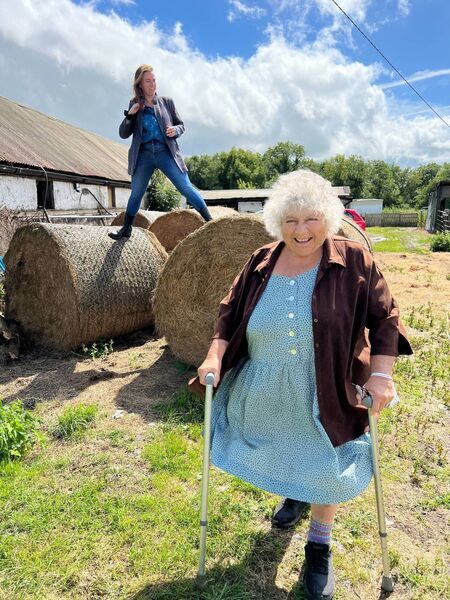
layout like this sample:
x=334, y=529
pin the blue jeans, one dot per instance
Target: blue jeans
x=156, y=155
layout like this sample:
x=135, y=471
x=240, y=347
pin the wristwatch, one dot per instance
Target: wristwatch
x=128, y=116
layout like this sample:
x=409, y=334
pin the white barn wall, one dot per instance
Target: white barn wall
x=122, y=195
x=67, y=198
x=18, y=192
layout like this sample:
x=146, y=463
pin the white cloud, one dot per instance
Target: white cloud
x=58, y=63
x=403, y=7
x=419, y=76
x=122, y=2
x=241, y=9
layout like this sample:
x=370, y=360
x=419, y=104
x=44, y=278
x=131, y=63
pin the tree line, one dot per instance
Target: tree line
x=238, y=168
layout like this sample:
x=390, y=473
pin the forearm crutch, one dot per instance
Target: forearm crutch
x=209, y=382
x=386, y=583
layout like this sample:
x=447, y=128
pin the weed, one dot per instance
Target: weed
x=185, y=407
x=135, y=359
x=18, y=431
x=99, y=349
x=74, y=420
x=441, y=242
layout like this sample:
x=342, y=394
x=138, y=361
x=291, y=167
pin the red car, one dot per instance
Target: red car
x=352, y=214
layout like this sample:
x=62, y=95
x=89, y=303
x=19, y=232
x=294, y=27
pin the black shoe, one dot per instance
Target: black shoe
x=318, y=580
x=288, y=512
x=125, y=230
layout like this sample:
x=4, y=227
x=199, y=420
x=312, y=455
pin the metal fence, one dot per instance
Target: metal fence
x=388, y=219
x=443, y=220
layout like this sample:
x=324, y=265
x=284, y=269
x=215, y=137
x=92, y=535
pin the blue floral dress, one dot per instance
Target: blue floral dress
x=266, y=426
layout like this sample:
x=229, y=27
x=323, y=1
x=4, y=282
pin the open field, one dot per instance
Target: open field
x=400, y=239
x=113, y=512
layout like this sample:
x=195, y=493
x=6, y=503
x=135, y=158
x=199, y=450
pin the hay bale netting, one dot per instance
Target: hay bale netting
x=69, y=285
x=198, y=274
x=172, y=227
x=168, y=227
x=144, y=218
x=350, y=230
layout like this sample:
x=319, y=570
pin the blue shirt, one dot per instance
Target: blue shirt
x=150, y=128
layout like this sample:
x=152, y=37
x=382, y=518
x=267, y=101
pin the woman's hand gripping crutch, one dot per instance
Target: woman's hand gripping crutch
x=386, y=583
x=201, y=577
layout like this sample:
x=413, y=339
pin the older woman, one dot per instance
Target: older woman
x=154, y=123
x=290, y=345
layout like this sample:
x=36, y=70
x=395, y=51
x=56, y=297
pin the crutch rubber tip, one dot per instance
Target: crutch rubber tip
x=201, y=582
x=387, y=585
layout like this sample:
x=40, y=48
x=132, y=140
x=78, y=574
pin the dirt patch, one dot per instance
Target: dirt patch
x=417, y=279
x=139, y=374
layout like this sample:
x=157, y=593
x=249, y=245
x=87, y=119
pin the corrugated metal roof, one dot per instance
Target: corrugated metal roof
x=31, y=138
x=251, y=194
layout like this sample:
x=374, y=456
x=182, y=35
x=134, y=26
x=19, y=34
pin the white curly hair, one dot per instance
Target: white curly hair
x=299, y=190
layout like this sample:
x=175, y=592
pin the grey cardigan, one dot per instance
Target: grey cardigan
x=167, y=116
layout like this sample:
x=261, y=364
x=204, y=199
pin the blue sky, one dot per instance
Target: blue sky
x=242, y=73
x=411, y=34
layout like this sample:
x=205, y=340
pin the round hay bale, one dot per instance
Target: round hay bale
x=351, y=231
x=218, y=212
x=168, y=227
x=69, y=285
x=144, y=218
x=198, y=274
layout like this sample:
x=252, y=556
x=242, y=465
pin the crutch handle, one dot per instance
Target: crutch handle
x=367, y=399
x=209, y=379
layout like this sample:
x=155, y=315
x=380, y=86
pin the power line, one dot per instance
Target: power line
x=389, y=63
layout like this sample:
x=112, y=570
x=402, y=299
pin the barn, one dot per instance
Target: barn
x=46, y=163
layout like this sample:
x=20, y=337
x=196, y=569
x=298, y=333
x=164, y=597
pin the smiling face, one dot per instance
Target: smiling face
x=304, y=233
x=148, y=84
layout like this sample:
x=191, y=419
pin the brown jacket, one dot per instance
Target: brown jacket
x=350, y=296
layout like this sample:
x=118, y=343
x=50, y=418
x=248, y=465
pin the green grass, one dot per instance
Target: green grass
x=400, y=239
x=74, y=420
x=19, y=431
x=108, y=516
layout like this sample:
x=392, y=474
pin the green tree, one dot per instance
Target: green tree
x=161, y=194
x=242, y=166
x=283, y=158
x=204, y=171
x=381, y=183
x=401, y=177
x=342, y=170
x=420, y=182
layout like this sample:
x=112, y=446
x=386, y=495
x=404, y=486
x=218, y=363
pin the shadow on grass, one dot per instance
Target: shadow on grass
x=252, y=579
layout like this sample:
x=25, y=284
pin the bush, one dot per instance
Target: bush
x=440, y=242
x=161, y=194
x=18, y=431
x=74, y=420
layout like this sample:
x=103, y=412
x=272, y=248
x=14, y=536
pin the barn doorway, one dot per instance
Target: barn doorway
x=45, y=198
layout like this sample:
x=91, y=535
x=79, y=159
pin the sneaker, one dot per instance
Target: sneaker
x=288, y=512
x=318, y=580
